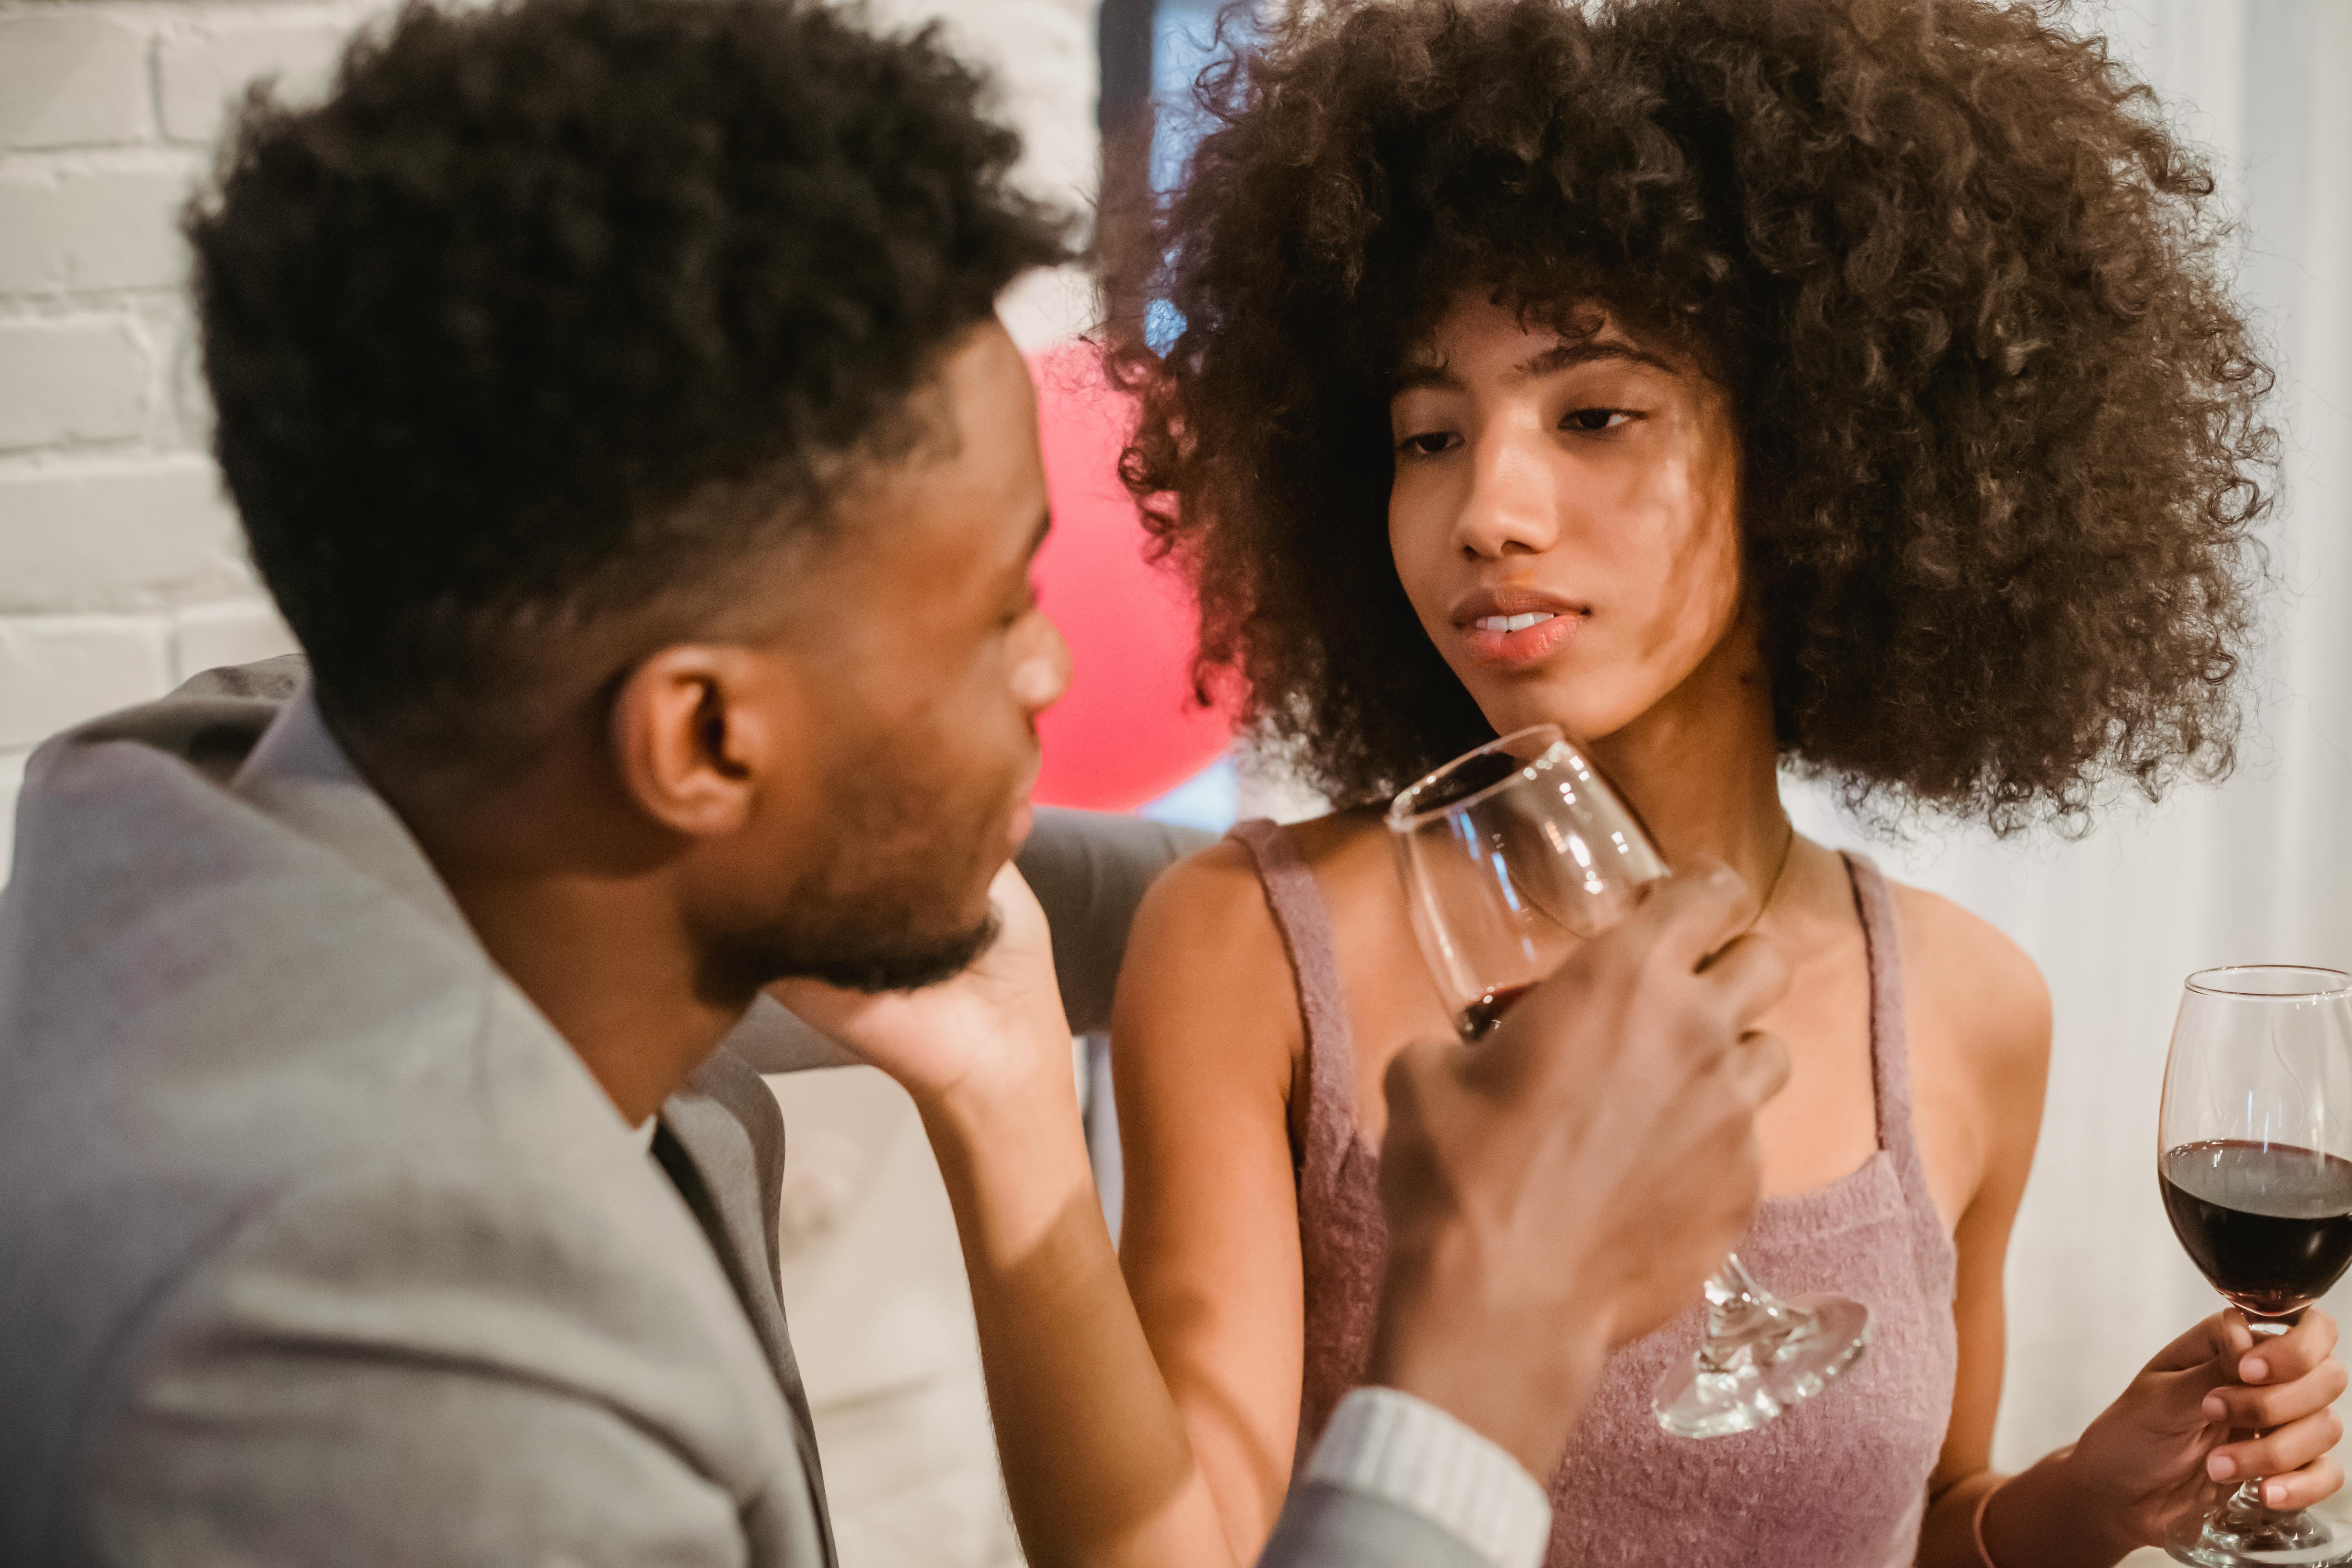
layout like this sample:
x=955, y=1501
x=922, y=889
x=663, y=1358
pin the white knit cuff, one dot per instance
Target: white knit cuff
x=1388, y=1444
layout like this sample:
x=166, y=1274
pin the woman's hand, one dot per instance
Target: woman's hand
x=995, y=1029
x=2152, y=1455
x=1098, y=1467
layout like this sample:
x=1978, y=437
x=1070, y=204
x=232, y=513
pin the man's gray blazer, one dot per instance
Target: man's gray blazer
x=319, y=1245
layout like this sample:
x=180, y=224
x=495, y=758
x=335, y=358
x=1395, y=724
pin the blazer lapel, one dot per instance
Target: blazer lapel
x=722, y=1142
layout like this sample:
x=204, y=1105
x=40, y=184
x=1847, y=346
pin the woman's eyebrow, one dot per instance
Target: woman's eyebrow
x=1564, y=355
x=1561, y=356
x=1423, y=373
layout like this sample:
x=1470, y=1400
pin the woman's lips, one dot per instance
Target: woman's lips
x=1520, y=640
x=1514, y=626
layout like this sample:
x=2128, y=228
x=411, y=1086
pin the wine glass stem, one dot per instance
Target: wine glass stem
x=2246, y=1503
x=1738, y=1309
x=2244, y=1507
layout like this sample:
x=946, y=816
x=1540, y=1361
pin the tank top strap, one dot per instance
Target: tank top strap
x=1890, y=1061
x=1296, y=902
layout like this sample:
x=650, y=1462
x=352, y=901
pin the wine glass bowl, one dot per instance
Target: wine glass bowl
x=2254, y=1164
x=1510, y=854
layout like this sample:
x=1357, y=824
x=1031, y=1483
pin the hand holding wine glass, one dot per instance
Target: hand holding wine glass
x=1564, y=1185
x=1512, y=855
x=2149, y=1459
x=2254, y=1161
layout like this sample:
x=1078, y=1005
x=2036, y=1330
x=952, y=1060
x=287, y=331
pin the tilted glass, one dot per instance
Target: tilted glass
x=1510, y=854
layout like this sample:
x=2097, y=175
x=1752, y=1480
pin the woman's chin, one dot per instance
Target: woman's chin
x=1574, y=712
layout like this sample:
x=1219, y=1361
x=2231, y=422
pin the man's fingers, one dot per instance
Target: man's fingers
x=1416, y=1082
x=1758, y=1066
x=1693, y=913
x=1418, y=1060
x=1750, y=975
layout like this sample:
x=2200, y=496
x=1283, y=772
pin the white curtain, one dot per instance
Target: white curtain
x=2257, y=870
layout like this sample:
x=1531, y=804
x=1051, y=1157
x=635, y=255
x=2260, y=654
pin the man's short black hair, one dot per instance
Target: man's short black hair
x=552, y=307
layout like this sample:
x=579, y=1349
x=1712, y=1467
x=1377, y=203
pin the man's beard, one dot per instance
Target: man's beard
x=867, y=919
x=905, y=964
x=870, y=961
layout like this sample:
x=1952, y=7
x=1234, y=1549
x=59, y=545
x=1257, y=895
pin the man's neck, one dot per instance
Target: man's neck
x=587, y=927
x=621, y=991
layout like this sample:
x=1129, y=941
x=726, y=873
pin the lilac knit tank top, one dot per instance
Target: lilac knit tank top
x=1840, y=1482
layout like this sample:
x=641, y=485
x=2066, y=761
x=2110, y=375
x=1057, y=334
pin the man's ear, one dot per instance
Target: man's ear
x=694, y=735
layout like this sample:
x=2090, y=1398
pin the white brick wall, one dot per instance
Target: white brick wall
x=55, y=669
x=121, y=570
x=200, y=71
x=72, y=79
x=73, y=380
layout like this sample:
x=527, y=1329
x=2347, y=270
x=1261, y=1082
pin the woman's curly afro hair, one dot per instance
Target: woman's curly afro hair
x=2000, y=422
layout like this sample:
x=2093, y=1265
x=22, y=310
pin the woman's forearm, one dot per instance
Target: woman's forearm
x=1948, y=1534
x=1096, y=1465
x=2035, y=1519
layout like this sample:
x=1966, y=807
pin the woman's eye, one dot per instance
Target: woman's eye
x=1596, y=419
x=1429, y=443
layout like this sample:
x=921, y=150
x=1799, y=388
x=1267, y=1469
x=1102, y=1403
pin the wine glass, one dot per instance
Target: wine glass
x=2254, y=1160
x=1511, y=854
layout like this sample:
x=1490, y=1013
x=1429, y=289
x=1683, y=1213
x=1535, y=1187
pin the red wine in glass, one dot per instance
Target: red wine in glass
x=1479, y=1018
x=2254, y=1161
x=1510, y=854
x=2269, y=1225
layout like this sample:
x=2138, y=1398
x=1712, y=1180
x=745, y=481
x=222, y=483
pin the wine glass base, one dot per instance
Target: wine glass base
x=1752, y=1381
x=2239, y=1537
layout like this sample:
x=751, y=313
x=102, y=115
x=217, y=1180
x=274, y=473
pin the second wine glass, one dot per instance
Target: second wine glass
x=2254, y=1161
x=1511, y=855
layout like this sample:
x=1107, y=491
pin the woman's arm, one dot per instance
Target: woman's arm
x=1090, y=870
x=2003, y=1040
x=2146, y=1457
x=1205, y=1033
x=1096, y=1467
x=1078, y=1384
x=1525, y=1182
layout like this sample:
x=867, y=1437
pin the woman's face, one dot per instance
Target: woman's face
x=1564, y=517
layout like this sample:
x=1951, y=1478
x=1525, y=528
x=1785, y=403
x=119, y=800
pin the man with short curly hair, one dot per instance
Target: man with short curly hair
x=613, y=396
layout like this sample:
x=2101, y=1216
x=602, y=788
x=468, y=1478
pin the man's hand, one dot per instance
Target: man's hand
x=994, y=1030
x=1567, y=1182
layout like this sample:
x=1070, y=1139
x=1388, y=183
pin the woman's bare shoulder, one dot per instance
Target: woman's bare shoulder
x=1346, y=849
x=1205, y=959
x=1212, y=898
x=1989, y=995
x=1339, y=834
x=1219, y=887
x=1206, y=955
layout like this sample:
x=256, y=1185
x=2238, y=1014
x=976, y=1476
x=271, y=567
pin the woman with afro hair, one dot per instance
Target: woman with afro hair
x=1843, y=385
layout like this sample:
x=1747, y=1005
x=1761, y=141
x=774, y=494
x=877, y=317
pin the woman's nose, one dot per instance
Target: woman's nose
x=1513, y=507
